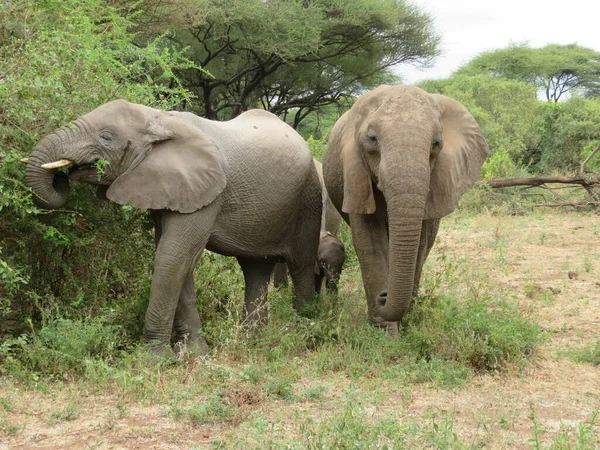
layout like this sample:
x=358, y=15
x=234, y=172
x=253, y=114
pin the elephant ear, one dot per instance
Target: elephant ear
x=459, y=162
x=358, y=189
x=181, y=170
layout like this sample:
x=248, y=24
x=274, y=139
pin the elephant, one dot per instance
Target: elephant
x=331, y=252
x=331, y=255
x=396, y=163
x=245, y=188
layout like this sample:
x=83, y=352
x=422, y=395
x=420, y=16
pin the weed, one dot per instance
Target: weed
x=6, y=405
x=10, y=428
x=68, y=412
x=589, y=354
x=211, y=411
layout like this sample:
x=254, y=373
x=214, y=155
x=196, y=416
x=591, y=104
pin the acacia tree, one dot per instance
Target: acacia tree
x=555, y=69
x=296, y=55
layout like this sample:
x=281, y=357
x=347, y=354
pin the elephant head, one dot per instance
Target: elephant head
x=413, y=155
x=150, y=160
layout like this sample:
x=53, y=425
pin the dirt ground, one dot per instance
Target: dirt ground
x=548, y=264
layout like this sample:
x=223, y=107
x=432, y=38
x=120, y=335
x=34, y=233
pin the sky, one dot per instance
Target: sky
x=469, y=27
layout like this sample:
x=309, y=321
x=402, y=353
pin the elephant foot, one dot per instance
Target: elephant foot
x=391, y=328
x=186, y=348
x=159, y=353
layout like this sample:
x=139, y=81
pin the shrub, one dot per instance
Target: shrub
x=71, y=56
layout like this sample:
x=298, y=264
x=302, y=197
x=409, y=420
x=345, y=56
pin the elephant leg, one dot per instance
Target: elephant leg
x=182, y=239
x=429, y=232
x=257, y=273
x=302, y=262
x=370, y=238
x=280, y=278
x=187, y=324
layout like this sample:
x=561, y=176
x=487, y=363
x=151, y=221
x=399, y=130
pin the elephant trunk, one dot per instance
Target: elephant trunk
x=51, y=188
x=406, y=198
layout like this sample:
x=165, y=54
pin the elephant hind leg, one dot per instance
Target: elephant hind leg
x=302, y=261
x=257, y=273
x=187, y=324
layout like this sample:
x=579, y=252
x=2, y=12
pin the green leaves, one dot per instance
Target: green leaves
x=555, y=69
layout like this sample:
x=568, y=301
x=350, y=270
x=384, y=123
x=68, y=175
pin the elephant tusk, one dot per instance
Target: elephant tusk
x=25, y=160
x=57, y=164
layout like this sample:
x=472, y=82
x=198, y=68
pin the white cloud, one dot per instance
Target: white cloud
x=469, y=27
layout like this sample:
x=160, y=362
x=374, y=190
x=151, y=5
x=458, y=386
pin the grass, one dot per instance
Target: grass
x=323, y=379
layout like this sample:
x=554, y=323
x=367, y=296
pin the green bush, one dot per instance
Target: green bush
x=63, y=348
x=61, y=59
x=472, y=334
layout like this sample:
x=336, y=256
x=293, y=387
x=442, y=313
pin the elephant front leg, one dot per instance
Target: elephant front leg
x=257, y=273
x=187, y=323
x=182, y=240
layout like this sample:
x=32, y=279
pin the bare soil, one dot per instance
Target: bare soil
x=547, y=264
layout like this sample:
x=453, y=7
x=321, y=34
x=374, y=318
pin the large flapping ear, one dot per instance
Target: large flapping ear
x=181, y=171
x=358, y=189
x=459, y=162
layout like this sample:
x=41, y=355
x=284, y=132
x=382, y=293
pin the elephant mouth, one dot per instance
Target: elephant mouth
x=84, y=172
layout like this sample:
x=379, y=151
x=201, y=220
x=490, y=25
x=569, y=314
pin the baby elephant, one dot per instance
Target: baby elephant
x=331, y=256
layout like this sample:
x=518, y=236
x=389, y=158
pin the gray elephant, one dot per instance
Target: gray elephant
x=245, y=188
x=331, y=253
x=395, y=164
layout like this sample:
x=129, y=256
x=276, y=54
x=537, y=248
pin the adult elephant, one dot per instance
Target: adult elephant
x=395, y=164
x=331, y=253
x=245, y=188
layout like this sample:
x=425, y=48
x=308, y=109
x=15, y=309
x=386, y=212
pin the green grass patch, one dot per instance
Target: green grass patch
x=473, y=334
x=589, y=354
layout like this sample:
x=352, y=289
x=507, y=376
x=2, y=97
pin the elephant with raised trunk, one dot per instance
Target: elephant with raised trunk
x=245, y=188
x=395, y=164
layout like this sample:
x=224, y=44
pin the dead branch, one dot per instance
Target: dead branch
x=538, y=181
x=575, y=205
x=590, y=156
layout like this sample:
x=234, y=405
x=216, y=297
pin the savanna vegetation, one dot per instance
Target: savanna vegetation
x=74, y=283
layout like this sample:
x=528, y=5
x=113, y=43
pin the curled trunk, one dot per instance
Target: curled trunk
x=51, y=188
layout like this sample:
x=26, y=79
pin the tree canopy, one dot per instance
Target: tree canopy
x=295, y=56
x=555, y=69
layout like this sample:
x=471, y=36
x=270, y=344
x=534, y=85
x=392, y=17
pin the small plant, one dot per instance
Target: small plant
x=589, y=354
x=587, y=264
x=100, y=165
x=68, y=412
x=211, y=411
x=10, y=428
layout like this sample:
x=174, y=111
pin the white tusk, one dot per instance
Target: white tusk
x=25, y=160
x=57, y=164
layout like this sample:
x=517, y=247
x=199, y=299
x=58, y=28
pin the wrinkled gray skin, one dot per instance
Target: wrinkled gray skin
x=331, y=252
x=245, y=188
x=395, y=164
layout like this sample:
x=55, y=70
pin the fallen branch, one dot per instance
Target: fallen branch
x=538, y=181
x=575, y=205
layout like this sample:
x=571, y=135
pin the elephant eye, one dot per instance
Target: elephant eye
x=371, y=139
x=106, y=137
